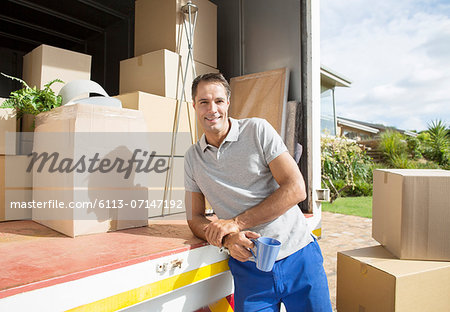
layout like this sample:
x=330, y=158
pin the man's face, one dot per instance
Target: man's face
x=211, y=106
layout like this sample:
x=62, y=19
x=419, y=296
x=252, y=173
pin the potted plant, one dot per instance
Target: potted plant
x=29, y=102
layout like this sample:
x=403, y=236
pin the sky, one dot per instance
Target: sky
x=397, y=55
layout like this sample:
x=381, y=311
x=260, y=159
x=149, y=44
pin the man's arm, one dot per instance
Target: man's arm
x=195, y=211
x=291, y=191
x=237, y=244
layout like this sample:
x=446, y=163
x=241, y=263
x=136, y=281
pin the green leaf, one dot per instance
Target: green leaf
x=32, y=100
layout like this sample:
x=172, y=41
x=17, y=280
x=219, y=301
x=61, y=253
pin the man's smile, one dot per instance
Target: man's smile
x=213, y=118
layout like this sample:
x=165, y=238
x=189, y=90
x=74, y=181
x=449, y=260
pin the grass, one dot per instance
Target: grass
x=355, y=206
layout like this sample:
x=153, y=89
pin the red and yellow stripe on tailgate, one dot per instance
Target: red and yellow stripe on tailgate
x=146, y=292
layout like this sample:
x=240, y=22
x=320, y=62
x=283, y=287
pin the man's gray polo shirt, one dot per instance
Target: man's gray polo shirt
x=236, y=176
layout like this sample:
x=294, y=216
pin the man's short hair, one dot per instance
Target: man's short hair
x=211, y=77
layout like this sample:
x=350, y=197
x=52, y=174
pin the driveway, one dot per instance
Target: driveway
x=341, y=232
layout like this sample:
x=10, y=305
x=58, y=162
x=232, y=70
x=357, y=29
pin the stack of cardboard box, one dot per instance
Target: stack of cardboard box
x=46, y=63
x=80, y=164
x=161, y=48
x=43, y=65
x=40, y=66
x=410, y=271
x=152, y=82
x=15, y=181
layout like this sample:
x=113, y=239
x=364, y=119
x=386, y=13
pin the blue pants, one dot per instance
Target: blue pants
x=299, y=281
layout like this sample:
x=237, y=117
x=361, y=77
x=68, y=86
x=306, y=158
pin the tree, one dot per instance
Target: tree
x=440, y=142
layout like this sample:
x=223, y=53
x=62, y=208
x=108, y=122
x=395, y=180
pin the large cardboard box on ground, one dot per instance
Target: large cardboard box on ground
x=94, y=170
x=411, y=212
x=373, y=280
x=159, y=115
x=161, y=73
x=159, y=25
x=46, y=63
x=262, y=95
x=15, y=188
x=8, y=126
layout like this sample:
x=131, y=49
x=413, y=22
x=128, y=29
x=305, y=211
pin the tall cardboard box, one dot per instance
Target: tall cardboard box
x=85, y=169
x=411, y=212
x=161, y=73
x=15, y=188
x=373, y=280
x=46, y=63
x=159, y=115
x=8, y=124
x=159, y=25
x=165, y=200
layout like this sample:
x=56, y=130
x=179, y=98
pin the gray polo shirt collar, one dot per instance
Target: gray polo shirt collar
x=232, y=135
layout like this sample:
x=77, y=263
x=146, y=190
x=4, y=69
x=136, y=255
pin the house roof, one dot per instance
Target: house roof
x=330, y=77
x=356, y=125
x=380, y=127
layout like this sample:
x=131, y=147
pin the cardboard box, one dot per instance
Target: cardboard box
x=172, y=205
x=160, y=73
x=25, y=133
x=159, y=115
x=27, y=123
x=15, y=188
x=46, y=63
x=159, y=25
x=8, y=124
x=92, y=168
x=89, y=210
x=411, y=215
x=161, y=202
x=372, y=280
x=167, y=199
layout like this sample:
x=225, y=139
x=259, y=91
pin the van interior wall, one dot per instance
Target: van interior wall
x=107, y=50
x=10, y=64
x=259, y=35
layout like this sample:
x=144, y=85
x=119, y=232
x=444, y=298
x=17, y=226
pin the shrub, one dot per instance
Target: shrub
x=415, y=147
x=401, y=162
x=424, y=164
x=344, y=165
x=361, y=188
x=393, y=146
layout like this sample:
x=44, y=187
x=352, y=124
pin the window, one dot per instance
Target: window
x=327, y=117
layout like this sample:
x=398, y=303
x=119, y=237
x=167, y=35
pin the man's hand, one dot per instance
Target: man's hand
x=239, y=244
x=216, y=230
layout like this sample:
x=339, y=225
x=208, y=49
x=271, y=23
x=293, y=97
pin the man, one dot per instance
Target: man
x=243, y=169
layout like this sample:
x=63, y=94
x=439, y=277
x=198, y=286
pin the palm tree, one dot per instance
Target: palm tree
x=440, y=142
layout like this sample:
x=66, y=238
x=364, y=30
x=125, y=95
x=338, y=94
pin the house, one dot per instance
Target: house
x=331, y=124
x=362, y=131
x=329, y=80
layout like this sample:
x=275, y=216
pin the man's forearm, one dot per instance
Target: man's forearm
x=272, y=207
x=198, y=224
x=269, y=209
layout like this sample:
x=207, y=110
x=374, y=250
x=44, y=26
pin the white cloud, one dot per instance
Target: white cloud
x=397, y=53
